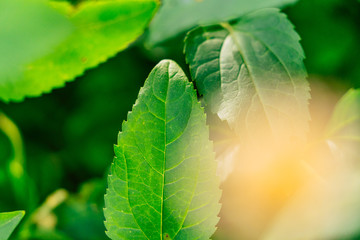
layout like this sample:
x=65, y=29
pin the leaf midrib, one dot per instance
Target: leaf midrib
x=273, y=53
x=165, y=147
x=165, y=170
x=230, y=29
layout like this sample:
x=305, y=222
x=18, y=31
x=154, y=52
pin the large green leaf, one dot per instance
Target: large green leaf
x=252, y=75
x=102, y=28
x=23, y=40
x=163, y=183
x=8, y=222
x=177, y=16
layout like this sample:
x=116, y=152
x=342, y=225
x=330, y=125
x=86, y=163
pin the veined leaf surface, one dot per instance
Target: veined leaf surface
x=251, y=73
x=102, y=28
x=177, y=16
x=8, y=222
x=163, y=183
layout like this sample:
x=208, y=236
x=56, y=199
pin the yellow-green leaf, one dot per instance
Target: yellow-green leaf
x=8, y=222
x=101, y=29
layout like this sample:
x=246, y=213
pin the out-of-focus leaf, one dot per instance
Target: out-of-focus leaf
x=326, y=207
x=49, y=235
x=22, y=186
x=163, y=183
x=343, y=130
x=28, y=30
x=321, y=210
x=177, y=16
x=252, y=74
x=102, y=28
x=8, y=222
x=80, y=220
x=5, y=155
x=81, y=217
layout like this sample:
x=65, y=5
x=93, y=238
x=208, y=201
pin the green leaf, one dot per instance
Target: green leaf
x=202, y=48
x=177, y=16
x=163, y=183
x=8, y=222
x=343, y=130
x=29, y=29
x=102, y=28
x=252, y=75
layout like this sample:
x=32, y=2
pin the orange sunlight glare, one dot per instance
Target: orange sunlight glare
x=290, y=190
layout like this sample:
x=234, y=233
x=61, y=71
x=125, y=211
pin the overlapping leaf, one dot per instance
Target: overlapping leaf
x=163, y=183
x=8, y=222
x=177, y=16
x=252, y=75
x=101, y=29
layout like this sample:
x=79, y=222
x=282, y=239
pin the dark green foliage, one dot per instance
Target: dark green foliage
x=330, y=37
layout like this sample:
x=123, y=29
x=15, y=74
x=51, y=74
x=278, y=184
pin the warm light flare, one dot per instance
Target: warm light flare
x=291, y=189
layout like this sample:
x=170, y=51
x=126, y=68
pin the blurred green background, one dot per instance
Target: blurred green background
x=69, y=134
